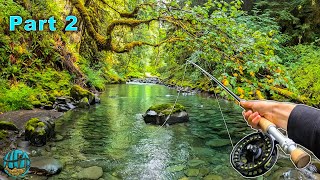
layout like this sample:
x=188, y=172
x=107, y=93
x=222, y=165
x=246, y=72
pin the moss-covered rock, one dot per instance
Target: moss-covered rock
x=84, y=103
x=167, y=108
x=78, y=93
x=35, y=123
x=38, y=132
x=3, y=134
x=5, y=125
x=159, y=114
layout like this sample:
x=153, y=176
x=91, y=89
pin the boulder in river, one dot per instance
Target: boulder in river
x=39, y=132
x=159, y=113
x=46, y=166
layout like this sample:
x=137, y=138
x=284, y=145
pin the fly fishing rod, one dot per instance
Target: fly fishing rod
x=255, y=154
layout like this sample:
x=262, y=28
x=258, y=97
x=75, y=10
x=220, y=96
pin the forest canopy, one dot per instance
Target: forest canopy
x=259, y=49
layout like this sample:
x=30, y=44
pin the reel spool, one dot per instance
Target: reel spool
x=254, y=155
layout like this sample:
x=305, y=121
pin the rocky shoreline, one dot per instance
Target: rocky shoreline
x=16, y=128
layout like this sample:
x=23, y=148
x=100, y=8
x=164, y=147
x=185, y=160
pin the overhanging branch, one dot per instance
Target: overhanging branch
x=131, y=45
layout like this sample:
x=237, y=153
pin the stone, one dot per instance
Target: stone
x=184, y=178
x=64, y=100
x=212, y=177
x=44, y=165
x=203, y=152
x=97, y=100
x=48, y=107
x=71, y=106
x=39, y=132
x=191, y=172
x=84, y=103
x=175, y=168
x=203, y=172
x=195, y=162
x=58, y=138
x=153, y=117
x=218, y=143
x=62, y=108
x=78, y=93
x=93, y=172
x=109, y=177
x=6, y=125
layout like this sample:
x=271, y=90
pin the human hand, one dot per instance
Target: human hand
x=276, y=112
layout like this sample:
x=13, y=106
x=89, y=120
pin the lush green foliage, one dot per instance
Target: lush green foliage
x=299, y=19
x=305, y=70
x=223, y=42
x=245, y=52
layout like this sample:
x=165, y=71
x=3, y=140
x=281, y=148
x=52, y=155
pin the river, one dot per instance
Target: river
x=113, y=136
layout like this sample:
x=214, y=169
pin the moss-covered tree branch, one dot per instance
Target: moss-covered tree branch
x=131, y=45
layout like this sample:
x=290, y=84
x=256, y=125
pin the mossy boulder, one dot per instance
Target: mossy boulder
x=39, y=132
x=166, y=108
x=159, y=114
x=78, y=93
x=84, y=103
x=5, y=125
x=3, y=134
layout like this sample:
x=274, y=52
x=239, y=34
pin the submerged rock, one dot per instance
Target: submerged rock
x=218, y=143
x=192, y=172
x=212, y=177
x=159, y=114
x=175, y=168
x=93, y=172
x=45, y=166
x=195, y=162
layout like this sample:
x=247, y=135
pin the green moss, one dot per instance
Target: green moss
x=77, y=92
x=33, y=124
x=5, y=125
x=3, y=134
x=166, y=108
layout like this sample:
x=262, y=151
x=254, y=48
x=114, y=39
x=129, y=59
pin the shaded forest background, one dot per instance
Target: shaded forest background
x=260, y=49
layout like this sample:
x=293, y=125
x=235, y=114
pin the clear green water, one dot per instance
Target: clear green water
x=113, y=136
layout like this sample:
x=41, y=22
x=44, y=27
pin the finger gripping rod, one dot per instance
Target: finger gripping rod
x=299, y=157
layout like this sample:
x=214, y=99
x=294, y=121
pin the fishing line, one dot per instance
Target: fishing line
x=224, y=120
x=174, y=105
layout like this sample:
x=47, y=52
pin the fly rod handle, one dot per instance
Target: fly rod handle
x=265, y=124
x=298, y=156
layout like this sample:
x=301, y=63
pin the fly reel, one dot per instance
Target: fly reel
x=254, y=155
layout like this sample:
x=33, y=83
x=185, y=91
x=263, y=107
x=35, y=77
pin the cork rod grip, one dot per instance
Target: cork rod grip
x=265, y=124
x=300, y=158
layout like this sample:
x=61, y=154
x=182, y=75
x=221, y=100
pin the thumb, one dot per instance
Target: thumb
x=246, y=104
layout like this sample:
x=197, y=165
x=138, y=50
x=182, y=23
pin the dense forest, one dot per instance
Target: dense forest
x=262, y=49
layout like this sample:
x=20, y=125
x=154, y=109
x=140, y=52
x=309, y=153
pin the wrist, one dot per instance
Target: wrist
x=282, y=112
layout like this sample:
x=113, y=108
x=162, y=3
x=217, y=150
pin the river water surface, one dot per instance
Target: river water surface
x=113, y=136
